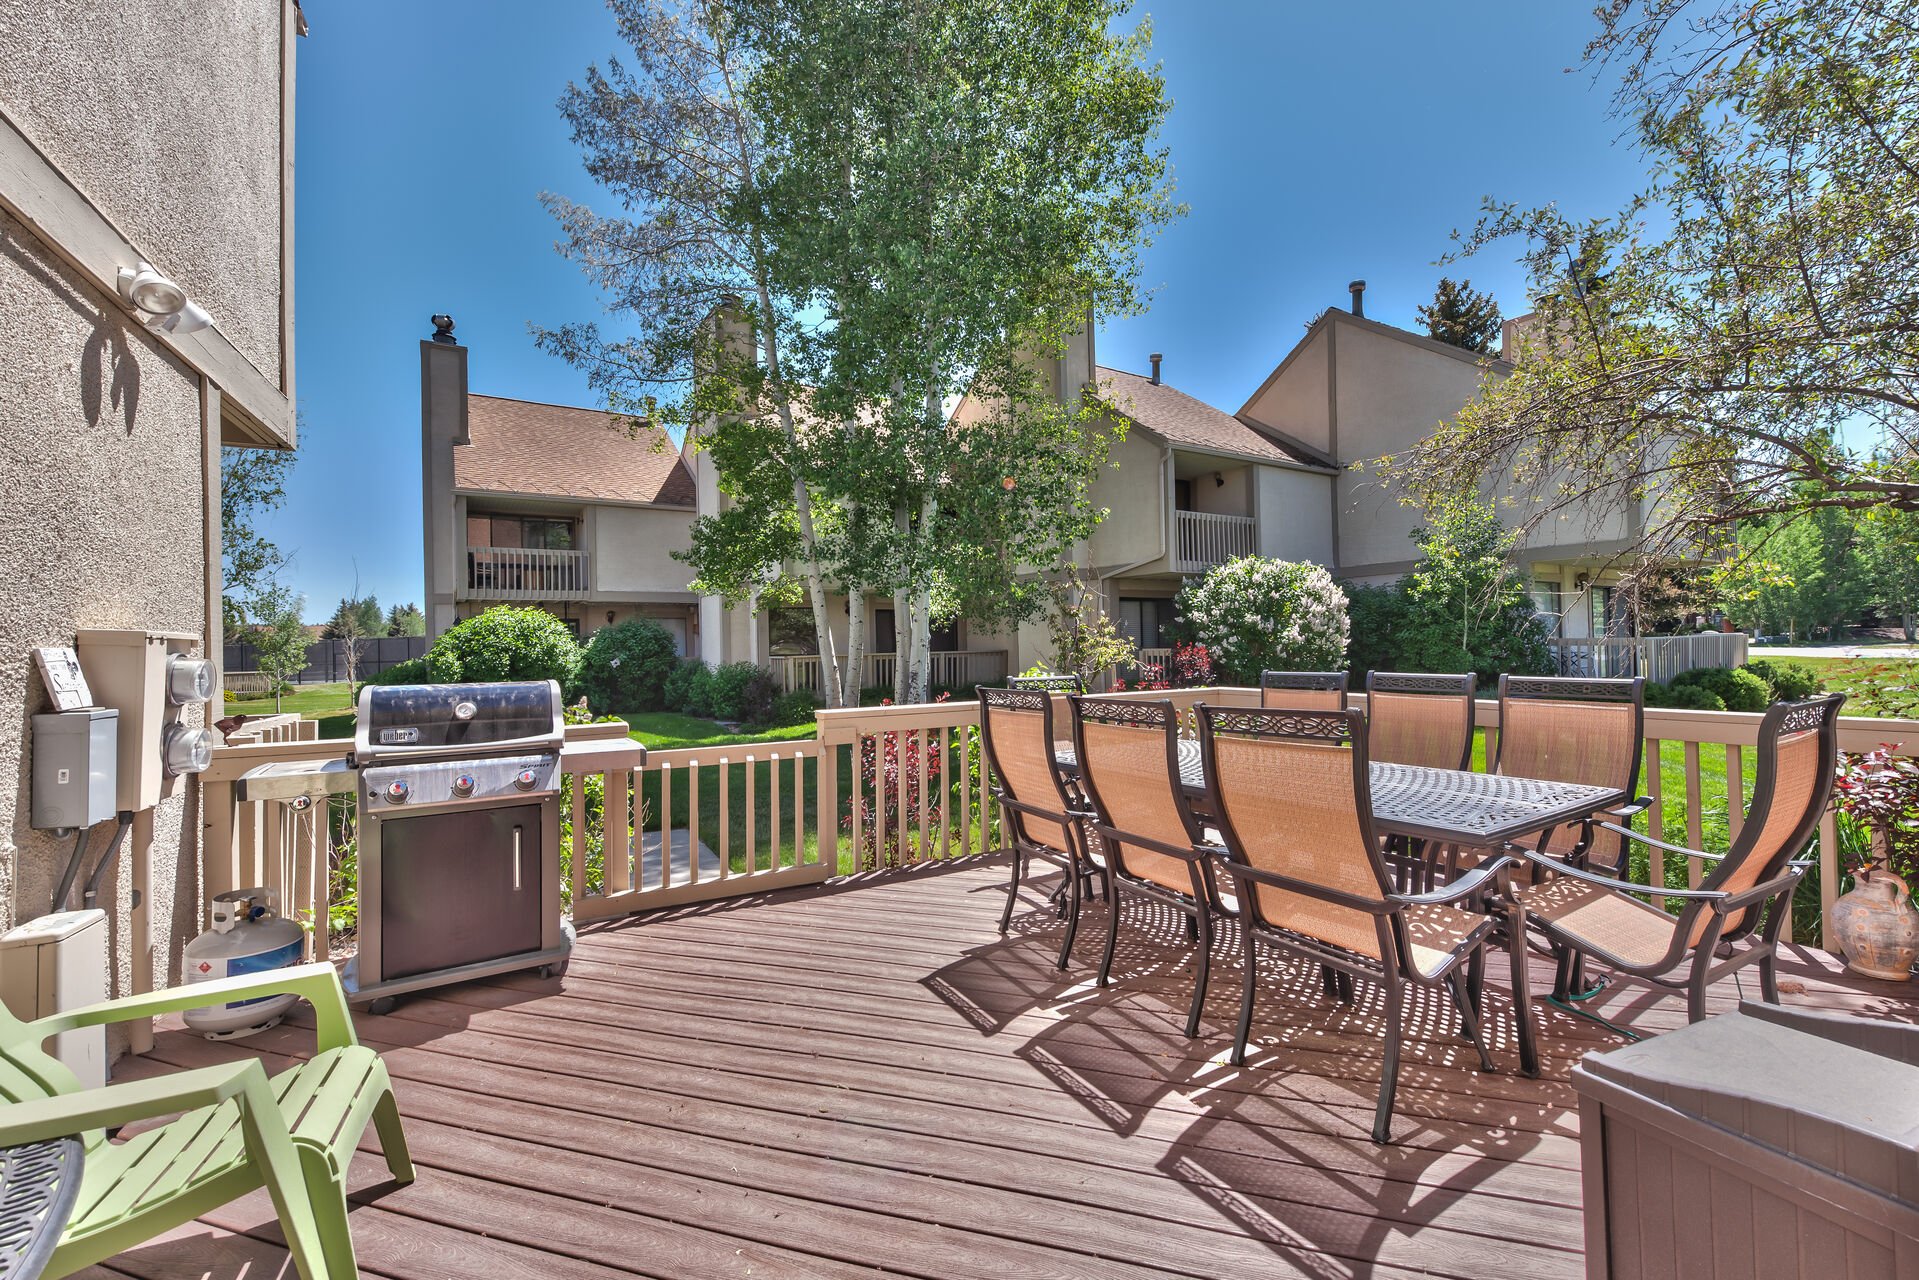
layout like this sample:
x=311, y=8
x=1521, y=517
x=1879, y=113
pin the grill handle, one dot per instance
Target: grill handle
x=516, y=858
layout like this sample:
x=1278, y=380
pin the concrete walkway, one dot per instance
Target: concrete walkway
x=1885, y=651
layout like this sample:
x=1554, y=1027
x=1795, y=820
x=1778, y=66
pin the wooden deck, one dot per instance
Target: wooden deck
x=866, y=1079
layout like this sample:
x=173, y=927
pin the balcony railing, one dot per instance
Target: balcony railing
x=950, y=669
x=1205, y=539
x=525, y=573
x=843, y=803
x=1658, y=658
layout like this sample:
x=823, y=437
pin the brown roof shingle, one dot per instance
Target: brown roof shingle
x=552, y=450
x=1181, y=420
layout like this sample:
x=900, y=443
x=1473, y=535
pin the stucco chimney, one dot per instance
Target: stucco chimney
x=1156, y=357
x=443, y=425
x=1358, y=289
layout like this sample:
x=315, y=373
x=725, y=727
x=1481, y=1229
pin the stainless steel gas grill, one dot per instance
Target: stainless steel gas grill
x=459, y=832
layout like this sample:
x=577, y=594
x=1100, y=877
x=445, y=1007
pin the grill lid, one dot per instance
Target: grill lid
x=405, y=719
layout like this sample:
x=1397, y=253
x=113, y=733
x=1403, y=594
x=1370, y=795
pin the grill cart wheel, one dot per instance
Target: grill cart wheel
x=382, y=1006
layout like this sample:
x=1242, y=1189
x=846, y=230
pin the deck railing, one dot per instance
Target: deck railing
x=525, y=573
x=1658, y=658
x=881, y=787
x=1206, y=539
x=948, y=669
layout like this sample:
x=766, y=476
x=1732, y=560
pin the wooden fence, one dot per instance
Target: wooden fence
x=1658, y=658
x=878, y=787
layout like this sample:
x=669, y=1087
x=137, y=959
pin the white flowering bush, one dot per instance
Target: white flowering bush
x=1257, y=615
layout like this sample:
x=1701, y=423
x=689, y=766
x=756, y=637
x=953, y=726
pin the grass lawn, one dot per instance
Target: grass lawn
x=330, y=704
x=668, y=731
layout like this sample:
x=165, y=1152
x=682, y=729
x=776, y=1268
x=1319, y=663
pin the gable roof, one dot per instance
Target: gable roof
x=1420, y=341
x=555, y=451
x=1181, y=420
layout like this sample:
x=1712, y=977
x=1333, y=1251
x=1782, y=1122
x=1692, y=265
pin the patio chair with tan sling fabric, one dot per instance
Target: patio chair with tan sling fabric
x=1042, y=815
x=1424, y=720
x=1741, y=906
x=1291, y=794
x=1576, y=730
x=1149, y=839
x=1048, y=683
x=1303, y=690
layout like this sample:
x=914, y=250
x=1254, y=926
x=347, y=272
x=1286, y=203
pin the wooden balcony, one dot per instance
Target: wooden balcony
x=525, y=573
x=1204, y=539
x=823, y=1082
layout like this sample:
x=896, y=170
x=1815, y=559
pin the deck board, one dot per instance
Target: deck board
x=866, y=1079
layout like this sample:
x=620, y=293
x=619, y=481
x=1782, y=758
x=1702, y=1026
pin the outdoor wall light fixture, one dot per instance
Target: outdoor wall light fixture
x=162, y=303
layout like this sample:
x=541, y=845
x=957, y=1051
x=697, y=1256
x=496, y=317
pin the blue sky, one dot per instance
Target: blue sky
x=1314, y=145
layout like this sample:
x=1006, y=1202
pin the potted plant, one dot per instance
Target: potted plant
x=1875, y=923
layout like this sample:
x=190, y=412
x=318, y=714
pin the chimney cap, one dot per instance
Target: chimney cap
x=1156, y=357
x=1358, y=289
x=443, y=328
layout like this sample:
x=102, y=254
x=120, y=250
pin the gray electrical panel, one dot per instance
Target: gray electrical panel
x=75, y=767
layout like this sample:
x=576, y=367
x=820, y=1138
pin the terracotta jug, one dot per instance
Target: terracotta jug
x=1877, y=927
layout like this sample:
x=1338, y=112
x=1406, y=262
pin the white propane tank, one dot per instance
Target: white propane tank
x=248, y=936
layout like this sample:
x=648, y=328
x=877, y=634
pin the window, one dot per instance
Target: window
x=1605, y=616
x=1148, y=622
x=1548, y=603
x=790, y=632
x=944, y=636
x=538, y=532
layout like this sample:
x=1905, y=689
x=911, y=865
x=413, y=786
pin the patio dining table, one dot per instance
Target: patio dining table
x=1441, y=806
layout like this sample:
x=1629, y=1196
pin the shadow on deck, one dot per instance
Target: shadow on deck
x=827, y=1082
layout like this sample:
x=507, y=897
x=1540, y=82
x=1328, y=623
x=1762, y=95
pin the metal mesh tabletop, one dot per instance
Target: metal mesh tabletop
x=38, y=1184
x=1449, y=805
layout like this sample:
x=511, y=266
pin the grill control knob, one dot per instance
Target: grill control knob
x=525, y=779
x=463, y=785
x=397, y=791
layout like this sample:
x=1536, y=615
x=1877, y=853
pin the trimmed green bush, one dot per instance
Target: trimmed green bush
x=411, y=671
x=627, y=666
x=1683, y=697
x=742, y=691
x=506, y=643
x=1790, y=681
x=796, y=706
x=689, y=690
x=1739, y=690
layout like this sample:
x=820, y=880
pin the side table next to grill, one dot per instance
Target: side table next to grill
x=39, y=1183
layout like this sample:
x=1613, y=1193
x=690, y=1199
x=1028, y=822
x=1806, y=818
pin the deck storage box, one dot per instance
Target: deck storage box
x=1763, y=1143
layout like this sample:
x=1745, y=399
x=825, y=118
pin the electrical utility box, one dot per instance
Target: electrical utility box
x=137, y=673
x=75, y=768
x=53, y=964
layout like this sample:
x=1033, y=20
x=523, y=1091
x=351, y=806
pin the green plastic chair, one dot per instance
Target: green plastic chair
x=293, y=1133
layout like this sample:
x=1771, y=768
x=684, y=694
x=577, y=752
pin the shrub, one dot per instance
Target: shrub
x=626, y=667
x=1683, y=697
x=505, y=643
x=689, y=689
x=794, y=707
x=1789, y=681
x=1739, y=690
x=1253, y=614
x=1378, y=614
x=730, y=682
x=411, y=671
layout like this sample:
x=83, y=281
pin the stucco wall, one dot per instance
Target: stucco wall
x=1295, y=402
x=100, y=462
x=1295, y=511
x=1135, y=495
x=1391, y=394
x=632, y=549
x=166, y=114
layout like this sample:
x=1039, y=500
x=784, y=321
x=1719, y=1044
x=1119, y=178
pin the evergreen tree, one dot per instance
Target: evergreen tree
x=405, y=620
x=1462, y=316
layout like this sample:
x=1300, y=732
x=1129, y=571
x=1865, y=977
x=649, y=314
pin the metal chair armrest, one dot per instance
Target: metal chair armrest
x=1624, y=886
x=1731, y=902
x=1634, y=836
x=1631, y=809
x=1250, y=876
x=1469, y=885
